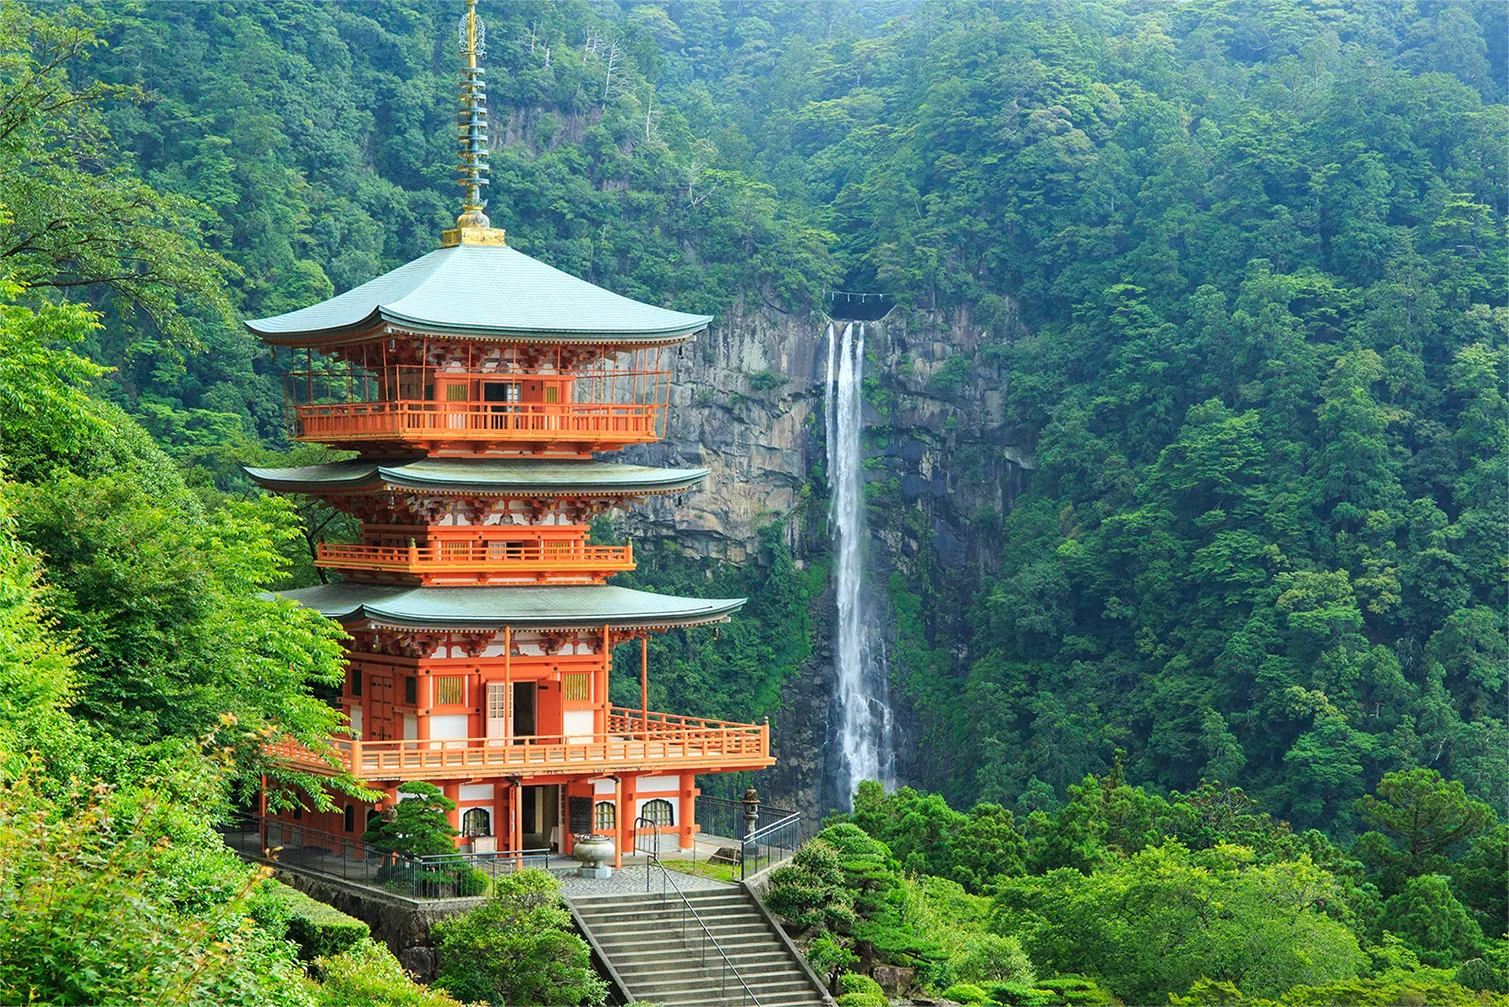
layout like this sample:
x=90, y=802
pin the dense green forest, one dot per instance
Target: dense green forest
x=1242, y=263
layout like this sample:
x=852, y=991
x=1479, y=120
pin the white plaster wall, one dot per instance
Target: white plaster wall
x=446, y=727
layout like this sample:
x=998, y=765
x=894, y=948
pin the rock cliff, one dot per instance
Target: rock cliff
x=941, y=466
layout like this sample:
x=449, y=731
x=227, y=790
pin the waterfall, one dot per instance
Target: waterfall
x=864, y=702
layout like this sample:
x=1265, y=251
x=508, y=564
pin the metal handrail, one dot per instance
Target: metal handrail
x=749, y=849
x=652, y=856
x=761, y=832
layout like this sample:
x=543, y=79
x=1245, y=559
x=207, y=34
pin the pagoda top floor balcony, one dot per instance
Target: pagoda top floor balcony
x=443, y=399
x=633, y=742
x=480, y=561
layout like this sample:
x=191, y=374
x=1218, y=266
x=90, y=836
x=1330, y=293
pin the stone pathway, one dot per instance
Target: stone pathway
x=631, y=880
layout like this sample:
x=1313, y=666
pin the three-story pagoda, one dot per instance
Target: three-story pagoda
x=476, y=384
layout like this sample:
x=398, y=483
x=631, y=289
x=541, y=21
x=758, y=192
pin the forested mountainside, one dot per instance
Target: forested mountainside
x=1231, y=276
x=1241, y=267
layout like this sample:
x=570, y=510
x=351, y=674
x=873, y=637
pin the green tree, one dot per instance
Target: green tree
x=1432, y=922
x=418, y=826
x=517, y=947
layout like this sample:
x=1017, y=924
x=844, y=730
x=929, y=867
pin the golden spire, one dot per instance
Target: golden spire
x=473, y=226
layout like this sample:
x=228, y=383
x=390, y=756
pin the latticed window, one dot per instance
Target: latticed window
x=476, y=822
x=410, y=690
x=450, y=690
x=604, y=816
x=577, y=685
x=659, y=811
x=356, y=681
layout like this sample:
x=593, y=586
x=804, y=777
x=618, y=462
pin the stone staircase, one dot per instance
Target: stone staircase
x=640, y=938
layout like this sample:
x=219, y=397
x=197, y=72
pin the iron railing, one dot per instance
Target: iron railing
x=699, y=940
x=775, y=837
x=311, y=851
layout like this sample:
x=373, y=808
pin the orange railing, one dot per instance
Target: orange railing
x=478, y=421
x=669, y=742
x=480, y=557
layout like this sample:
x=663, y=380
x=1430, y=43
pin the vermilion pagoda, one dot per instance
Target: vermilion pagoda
x=476, y=383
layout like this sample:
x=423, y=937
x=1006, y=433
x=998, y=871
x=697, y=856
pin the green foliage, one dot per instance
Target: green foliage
x=965, y=993
x=764, y=381
x=1427, y=815
x=857, y=982
x=367, y=975
x=518, y=947
x=122, y=898
x=319, y=930
x=1428, y=917
x=1142, y=925
x=417, y=826
x=930, y=838
x=860, y=999
x=810, y=891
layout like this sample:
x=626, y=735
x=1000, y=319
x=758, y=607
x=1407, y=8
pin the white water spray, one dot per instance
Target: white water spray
x=864, y=707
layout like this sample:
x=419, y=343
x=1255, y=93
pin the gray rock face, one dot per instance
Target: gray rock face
x=942, y=464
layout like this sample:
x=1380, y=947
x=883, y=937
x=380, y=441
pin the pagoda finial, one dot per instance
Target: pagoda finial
x=473, y=226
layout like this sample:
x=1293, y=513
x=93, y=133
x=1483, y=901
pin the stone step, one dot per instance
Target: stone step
x=752, y=957
x=642, y=937
x=643, y=913
x=717, y=929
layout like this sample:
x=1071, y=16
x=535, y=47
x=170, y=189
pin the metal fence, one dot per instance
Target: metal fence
x=311, y=851
x=776, y=834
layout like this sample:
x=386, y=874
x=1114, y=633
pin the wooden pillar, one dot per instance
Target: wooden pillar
x=686, y=815
x=508, y=686
x=618, y=821
x=600, y=692
x=516, y=819
x=452, y=792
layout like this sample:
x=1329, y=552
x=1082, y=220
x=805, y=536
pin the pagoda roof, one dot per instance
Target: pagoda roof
x=520, y=476
x=519, y=607
x=483, y=292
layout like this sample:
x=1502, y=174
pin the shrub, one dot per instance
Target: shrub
x=473, y=881
x=810, y=890
x=517, y=947
x=966, y=993
x=367, y=975
x=319, y=930
x=984, y=958
x=855, y=982
x=1076, y=990
x=863, y=1000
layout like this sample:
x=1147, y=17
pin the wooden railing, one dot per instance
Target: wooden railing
x=478, y=421
x=670, y=742
x=480, y=557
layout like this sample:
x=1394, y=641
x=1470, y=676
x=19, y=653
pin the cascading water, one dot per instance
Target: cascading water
x=865, y=729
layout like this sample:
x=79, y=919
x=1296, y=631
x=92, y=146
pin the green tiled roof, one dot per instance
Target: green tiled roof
x=483, y=290
x=519, y=607
x=524, y=476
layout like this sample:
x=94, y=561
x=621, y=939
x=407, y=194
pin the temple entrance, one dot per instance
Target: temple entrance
x=541, y=808
x=523, y=710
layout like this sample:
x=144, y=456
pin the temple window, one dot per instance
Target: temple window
x=476, y=822
x=659, y=812
x=450, y=690
x=604, y=816
x=577, y=685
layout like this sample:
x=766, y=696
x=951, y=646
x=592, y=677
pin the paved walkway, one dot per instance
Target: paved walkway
x=630, y=880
